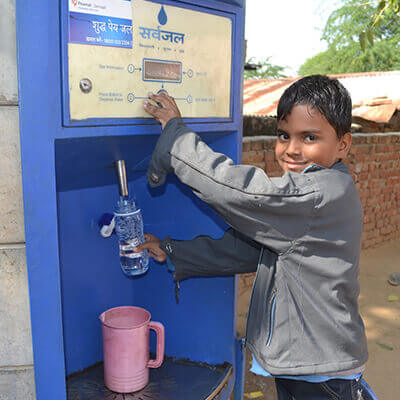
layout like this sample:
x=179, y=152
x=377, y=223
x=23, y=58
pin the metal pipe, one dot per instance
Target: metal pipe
x=122, y=181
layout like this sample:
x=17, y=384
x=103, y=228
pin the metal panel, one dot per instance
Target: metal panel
x=207, y=336
x=218, y=8
x=40, y=116
x=239, y=3
x=63, y=250
x=174, y=380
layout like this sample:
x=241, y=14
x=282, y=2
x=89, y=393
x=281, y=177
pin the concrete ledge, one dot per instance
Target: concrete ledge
x=258, y=138
x=8, y=51
x=11, y=205
x=17, y=384
x=15, y=332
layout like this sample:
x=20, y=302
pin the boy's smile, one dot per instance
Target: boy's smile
x=306, y=137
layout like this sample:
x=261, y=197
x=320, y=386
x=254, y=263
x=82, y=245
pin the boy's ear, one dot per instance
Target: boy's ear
x=344, y=145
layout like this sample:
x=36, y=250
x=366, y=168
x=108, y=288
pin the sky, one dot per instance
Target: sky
x=288, y=31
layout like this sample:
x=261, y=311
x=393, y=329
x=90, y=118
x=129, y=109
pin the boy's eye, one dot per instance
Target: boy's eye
x=310, y=138
x=283, y=136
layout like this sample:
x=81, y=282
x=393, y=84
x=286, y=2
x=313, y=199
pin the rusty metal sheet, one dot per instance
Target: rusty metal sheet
x=370, y=102
x=379, y=113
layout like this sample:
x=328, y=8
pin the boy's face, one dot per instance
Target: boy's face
x=305, y=137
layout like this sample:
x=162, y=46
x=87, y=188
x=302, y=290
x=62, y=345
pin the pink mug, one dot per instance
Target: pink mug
x=126, y=332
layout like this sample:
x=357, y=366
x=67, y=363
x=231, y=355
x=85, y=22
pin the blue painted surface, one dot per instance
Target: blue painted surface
x=68, y=183
x=239, y=3
x=40, y=112
x=240, y=365
x=88, y=162
x=92, y=281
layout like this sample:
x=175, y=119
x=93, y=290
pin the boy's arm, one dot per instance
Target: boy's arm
x=271, y=211
x=232, y=254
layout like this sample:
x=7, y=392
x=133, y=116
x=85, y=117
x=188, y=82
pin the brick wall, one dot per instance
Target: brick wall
x=374, y=161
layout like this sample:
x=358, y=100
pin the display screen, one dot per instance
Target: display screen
x=154, y=70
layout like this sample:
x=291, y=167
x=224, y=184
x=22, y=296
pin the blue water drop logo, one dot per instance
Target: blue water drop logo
x=162, y=16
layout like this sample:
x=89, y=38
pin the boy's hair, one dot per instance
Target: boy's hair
x=324, y=94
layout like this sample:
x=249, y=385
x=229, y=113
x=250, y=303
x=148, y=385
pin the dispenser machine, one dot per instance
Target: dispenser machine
x=85, y=67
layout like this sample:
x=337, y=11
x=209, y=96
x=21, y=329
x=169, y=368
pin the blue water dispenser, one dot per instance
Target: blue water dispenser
x=84, y=70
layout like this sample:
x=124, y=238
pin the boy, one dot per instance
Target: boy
x=301, y=232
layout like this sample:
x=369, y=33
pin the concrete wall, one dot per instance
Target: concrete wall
x=16, y=361
x=258, y=126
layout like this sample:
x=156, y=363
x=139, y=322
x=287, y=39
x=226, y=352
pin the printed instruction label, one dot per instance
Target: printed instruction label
x=101, y=22
x=186, y=53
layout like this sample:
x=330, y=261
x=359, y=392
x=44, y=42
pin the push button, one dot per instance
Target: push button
x=85, y=85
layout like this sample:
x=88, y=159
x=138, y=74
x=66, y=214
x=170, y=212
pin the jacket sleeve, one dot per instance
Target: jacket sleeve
x=272, y=211
x=204, y=256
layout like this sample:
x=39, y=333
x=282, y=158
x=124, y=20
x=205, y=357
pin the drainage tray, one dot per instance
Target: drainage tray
x=174, y=380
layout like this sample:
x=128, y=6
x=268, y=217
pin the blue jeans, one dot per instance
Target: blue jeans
x=334, y=389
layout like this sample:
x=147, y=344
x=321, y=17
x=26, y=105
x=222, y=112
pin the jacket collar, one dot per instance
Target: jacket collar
x=339, y=166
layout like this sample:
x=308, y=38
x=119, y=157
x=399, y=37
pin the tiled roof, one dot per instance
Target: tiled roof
x=375, y=95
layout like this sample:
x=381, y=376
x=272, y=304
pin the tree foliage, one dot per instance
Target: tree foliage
x=355, y=43
x=264, y=70
x=384, y=14
x=383, y=9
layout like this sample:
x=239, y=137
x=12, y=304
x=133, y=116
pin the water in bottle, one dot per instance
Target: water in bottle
x=129, y=229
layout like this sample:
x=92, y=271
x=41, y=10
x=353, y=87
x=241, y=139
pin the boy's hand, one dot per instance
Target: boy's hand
x=167, y=110
x=152, y=245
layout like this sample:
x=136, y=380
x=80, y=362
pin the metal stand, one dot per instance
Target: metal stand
x=174, y=380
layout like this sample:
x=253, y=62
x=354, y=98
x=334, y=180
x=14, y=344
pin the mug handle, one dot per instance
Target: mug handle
x=160, y=332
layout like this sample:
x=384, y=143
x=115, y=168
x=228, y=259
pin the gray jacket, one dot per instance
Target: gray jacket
x=302, y=234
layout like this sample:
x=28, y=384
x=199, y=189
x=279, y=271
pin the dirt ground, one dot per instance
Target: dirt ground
x=381, y=318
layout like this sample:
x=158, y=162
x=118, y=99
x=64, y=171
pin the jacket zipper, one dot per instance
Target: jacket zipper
x=252, y=292
x=271, y=316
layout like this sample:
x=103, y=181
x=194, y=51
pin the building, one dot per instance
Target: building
x=375, y=95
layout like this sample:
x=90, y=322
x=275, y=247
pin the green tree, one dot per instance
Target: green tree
x=265, y=69
x=383, y=9
x=346, y=29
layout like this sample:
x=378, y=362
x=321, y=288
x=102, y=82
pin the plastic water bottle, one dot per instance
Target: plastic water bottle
x=129, y=229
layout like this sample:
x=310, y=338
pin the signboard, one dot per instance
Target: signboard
x=102, y=22
x=120, y=50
